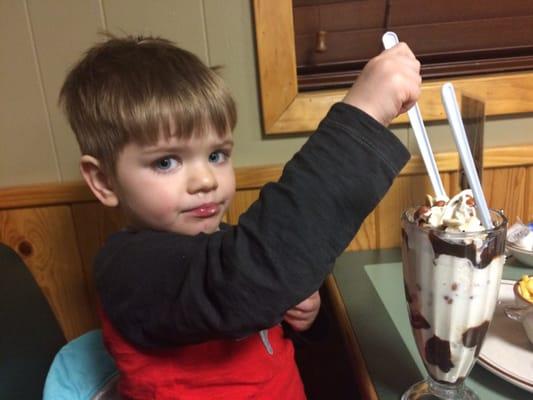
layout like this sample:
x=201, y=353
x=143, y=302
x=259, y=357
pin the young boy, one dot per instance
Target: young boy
x=191, y=308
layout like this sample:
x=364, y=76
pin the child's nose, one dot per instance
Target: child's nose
x=202, y=179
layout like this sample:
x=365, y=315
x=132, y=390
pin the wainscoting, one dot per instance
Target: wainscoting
x=58, y=228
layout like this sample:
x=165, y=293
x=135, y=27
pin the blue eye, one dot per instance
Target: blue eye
x=166, y=164
x=217, y=157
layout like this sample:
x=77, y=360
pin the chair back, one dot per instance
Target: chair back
x=30, y=335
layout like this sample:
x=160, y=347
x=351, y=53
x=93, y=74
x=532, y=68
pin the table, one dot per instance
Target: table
x=368, y=298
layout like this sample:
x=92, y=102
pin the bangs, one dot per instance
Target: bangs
x=180, y=113
x=138, y=89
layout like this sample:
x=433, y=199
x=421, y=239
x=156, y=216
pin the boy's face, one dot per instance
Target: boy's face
x=176, y=185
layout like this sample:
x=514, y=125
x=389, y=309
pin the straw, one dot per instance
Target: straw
x=454, y=118
x=390, y=39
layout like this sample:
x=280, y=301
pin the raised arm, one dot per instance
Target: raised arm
x=165, y=289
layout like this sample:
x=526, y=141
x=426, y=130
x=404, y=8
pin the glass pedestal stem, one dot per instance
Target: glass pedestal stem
x=429, y=389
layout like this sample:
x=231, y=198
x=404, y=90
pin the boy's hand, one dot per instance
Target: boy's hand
x=388, y=85
x=302, y=316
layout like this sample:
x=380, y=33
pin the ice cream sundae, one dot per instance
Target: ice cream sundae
x=452, y=269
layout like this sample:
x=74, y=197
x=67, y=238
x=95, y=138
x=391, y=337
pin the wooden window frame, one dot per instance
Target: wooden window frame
x=287, y=111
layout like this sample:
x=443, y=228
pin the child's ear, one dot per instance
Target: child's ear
x=98, y=181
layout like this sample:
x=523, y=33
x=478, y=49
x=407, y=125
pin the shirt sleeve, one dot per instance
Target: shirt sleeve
x=163, y=289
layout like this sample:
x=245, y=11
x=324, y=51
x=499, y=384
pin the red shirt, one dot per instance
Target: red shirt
x=218, y=369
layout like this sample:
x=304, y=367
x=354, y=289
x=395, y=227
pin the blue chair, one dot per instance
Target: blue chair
x=82, y=370
x=30, y=335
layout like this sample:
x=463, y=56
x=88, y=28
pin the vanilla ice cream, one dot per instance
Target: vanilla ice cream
x=452, y=270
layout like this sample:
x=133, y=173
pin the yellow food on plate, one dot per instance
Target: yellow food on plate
x=525, y=288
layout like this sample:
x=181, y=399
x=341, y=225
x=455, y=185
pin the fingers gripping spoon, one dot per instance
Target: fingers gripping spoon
x=389, y=40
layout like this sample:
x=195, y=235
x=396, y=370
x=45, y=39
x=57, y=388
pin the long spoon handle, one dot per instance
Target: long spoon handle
x=389, y=40
x=458, y=129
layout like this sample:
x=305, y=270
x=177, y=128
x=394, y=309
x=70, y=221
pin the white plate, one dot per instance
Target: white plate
x=506, y=350
x=522, y=255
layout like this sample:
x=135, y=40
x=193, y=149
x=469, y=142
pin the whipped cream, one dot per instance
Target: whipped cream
x=458, y=214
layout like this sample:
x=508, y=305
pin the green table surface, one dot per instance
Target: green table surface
x=371, y=286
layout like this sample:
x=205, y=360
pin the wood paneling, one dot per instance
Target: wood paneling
x=44, y=194
x=529, y=194
x=256, y=177
x=505, y=189
x=366, y=237
x=58, y=228
x=45, y=239
x=243, y=199
x=94, y=223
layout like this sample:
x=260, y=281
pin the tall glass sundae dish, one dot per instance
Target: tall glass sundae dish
x=452, y=268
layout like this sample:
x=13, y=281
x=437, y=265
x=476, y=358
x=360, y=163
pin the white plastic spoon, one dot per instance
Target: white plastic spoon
x=456, y=122
x=390, y=39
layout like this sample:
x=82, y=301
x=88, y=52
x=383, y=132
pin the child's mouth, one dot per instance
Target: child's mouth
x=205, y=210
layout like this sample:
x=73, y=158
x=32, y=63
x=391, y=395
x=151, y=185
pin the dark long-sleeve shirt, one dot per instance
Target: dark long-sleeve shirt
x=164, y=289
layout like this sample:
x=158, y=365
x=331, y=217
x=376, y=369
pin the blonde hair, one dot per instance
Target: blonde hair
x=134, y=89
